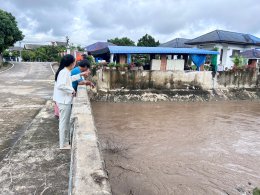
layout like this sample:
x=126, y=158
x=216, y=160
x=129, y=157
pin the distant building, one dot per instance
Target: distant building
x=97, y=46
x=177, y=43
x=32, y=46
x=15, y=48
x=228, y=44
x=59, y=43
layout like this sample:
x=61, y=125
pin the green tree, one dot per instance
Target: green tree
x=9, y=32
x=148, y=41
x=122, y=41
x=5, y=54
x=26, y=55
x=79, y=48
x=45, y=54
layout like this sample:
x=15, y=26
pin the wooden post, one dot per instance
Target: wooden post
x=122, y=59
x=163, y=62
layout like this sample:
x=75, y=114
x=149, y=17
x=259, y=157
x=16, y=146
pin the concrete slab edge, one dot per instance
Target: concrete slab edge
x=87, y=171
x=51, y=66
x=8, y=68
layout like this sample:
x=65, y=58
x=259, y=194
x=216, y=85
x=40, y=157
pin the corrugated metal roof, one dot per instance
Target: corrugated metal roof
x=32, y=46
x=98, y=46
x=15, y=48
x=251, y=54
x=156, y=50
x=176, y=43
x=221, y=36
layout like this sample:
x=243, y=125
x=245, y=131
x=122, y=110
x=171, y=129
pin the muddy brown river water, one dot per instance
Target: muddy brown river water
x=180, y=148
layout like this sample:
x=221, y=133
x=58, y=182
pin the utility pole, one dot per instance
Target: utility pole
x=20, y=51
x=68, y=47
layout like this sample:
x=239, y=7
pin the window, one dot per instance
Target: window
x=235, y=52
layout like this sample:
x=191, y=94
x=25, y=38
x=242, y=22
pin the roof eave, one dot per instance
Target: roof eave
x=226, y=42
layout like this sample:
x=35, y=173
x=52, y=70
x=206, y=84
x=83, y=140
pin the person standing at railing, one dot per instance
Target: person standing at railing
x=83, y=66
x=63, y=94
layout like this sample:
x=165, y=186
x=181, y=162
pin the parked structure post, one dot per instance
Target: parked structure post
x=111, y=57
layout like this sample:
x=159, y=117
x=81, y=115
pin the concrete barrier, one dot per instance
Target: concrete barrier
x=87, y=171
x=112, y=79
x=171, y=80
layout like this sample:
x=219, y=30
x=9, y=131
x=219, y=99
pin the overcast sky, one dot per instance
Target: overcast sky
x=88, y=21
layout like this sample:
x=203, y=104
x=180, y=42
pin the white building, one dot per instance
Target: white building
x=228, y=44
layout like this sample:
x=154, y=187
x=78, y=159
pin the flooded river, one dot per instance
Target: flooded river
x=180, y=148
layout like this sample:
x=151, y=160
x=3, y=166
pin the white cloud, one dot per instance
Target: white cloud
x=87, y=21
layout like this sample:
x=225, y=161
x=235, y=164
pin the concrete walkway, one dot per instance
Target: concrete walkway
x=30, y=161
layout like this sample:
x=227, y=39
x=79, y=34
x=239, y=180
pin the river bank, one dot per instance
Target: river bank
x=124, y=86
x=175, y=95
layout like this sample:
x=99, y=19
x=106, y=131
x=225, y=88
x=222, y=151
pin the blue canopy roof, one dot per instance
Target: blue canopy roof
x=152, y=50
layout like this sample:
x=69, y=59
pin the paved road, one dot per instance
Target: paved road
x=24, y=90
x=30, y=161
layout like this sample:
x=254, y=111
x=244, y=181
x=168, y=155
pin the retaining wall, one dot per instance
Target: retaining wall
x=113, y=79
x=238, y=79
x=87, y=172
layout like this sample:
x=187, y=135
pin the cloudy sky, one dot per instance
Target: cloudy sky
x=88, y=21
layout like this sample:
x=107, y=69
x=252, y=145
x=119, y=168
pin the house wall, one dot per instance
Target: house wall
x=156, y=64
x=175, y=65
x=227, y=52
x=164, y=64
x=228, y=61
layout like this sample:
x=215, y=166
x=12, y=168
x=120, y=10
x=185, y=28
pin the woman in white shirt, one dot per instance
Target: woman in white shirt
x=63, y=95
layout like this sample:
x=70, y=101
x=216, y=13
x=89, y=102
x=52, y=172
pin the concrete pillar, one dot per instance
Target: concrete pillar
x=163, y=62
x=111, y=57
x=218, y=58
x=224, y=57
x=122, y=59
x=68, y=50
x=129, y=58
x=185, y=57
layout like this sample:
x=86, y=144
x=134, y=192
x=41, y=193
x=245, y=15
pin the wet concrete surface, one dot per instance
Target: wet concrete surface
x=180, y=148
x=30, y=161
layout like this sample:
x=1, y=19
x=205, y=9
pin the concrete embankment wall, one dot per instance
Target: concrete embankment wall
x=118, y=86
x=112, y=79
x=238, y=79
x=87, y=172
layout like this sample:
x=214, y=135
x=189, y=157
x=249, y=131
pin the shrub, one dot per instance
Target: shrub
x=256, y=191
x=239, y=61
x=111, y=65
x=194, y=67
